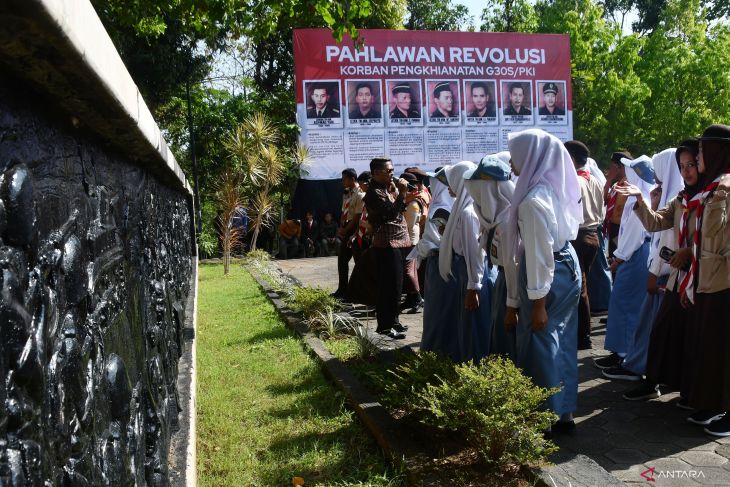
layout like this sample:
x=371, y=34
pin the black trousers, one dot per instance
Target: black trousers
x=389, y=264
x=586, y=248
x=343, y=266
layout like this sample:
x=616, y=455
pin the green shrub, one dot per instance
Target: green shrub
x=311, y=300
x=492, y=404
x=403, y=386
x=497, y=408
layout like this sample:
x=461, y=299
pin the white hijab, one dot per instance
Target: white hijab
x=667, y=171
x=440, y=199
x=541, y=158
x=643, y=186
x=596, y=171
x=491, y=201
x=455, y=177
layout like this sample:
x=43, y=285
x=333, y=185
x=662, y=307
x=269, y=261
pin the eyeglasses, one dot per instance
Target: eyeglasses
x=389, y=171
x=689, y=165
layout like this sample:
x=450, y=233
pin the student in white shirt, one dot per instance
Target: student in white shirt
x=545, y=214
x=462, y=261
x=669, y=184
x=491, y=189
x=630, y=266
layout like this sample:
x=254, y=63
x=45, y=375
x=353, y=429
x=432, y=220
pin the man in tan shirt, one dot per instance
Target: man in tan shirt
x=352, y=206
x=586, y=243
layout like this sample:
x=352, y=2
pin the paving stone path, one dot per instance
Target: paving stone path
x=626, y=438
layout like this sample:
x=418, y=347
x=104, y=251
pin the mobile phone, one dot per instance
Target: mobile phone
x=665, y=253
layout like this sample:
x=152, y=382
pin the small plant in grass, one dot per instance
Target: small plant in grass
x=497, y=408
x=258, y=255
x=311, y=300
x=329, y=324
x=365, y=345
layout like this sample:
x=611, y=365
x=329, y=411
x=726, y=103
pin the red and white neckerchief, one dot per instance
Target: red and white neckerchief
x=346, y=200
x=361, y=227
x=610, y=206
x=697, y=203
x=587, y=176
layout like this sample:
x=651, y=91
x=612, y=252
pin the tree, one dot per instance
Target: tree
x=258, y=167
x=685, y=64
x=509, y=16
x=437, y=15
x=650, y=12
x=609, y=96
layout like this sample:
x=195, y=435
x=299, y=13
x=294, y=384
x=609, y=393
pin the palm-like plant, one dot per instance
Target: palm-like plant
x=229, y=199
x=259, y=165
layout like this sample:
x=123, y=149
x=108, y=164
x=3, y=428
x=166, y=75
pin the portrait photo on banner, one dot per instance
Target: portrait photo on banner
x=444, y=102
x=404, y=102
x=552, y=106
x=323, y=102
x=480, y=97
x=364, y=103
x=516, y=102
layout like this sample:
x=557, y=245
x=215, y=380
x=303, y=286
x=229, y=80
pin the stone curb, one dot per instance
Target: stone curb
x=574, y=472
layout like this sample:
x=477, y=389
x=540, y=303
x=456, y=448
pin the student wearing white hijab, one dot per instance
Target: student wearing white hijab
x=630, y=265
x=545, y=213
x=467, y=304
x=491, y=189
x=439, y=296
x=440, y=199
x=669, y=184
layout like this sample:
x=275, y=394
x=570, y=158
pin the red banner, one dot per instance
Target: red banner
x=425, y=98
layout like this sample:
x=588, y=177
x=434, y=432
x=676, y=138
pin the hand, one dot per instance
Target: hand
x=651, y=285
x=402, y=185
x=615, y=263
x=681, y=258
x=341, y=232
x=684, y=301
x=627, y=189
x=539, y=315
x=724, y=183
x=656, y=196
x=471, y=301
x=510, y=318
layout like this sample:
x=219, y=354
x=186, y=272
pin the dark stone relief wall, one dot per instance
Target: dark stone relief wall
x=95, y=263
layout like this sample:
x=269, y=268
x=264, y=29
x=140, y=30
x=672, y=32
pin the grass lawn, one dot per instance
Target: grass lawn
x=265, y=411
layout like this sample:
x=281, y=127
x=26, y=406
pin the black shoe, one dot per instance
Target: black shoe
x=400, y=327
x=720, y=427
x=620, y=373
x=609, y=361
x=704, y=418
x=564, y=427
x=646, y=390
x=417, y=306
x=391, y=333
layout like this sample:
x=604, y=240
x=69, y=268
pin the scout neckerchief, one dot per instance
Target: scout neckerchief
x=586, y=174
x=697, y=203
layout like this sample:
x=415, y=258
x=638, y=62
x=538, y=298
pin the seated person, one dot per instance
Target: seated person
x=329, y=242
x=289, y=233
x=310, y=234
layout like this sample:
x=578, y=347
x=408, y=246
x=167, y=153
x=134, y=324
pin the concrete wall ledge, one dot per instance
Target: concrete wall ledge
x=61, y=49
